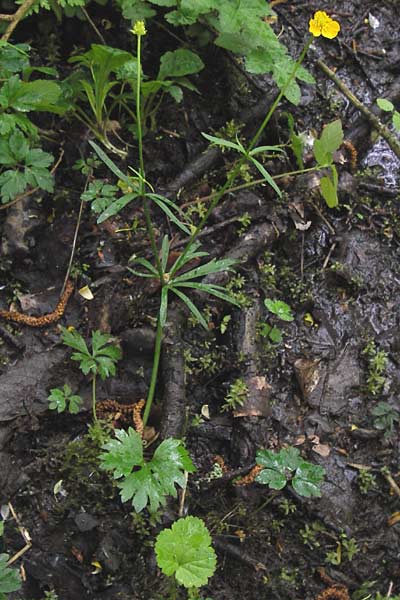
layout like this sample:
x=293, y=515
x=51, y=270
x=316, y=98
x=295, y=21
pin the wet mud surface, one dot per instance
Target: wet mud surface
x=316, y=389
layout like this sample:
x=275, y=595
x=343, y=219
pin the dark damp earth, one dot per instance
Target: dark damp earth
x=319, y=389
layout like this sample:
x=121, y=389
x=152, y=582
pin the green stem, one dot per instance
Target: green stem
x=149, y=224
x=94, y=399
x=154, y=372
x=233, y=174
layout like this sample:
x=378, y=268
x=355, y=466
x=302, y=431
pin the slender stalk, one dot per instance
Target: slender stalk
x=94, y=399
x=147, y=216
x=233, y=174
x=154, y=372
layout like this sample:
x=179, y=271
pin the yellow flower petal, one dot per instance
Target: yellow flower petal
x=315, y=27
x=322, y=24
x=331, y=29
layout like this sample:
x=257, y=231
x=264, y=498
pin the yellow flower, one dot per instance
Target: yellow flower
x=322, y=24
x=139, y=28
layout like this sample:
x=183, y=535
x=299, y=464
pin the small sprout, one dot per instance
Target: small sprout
x=236, y=396
x=365, y=481
x=280, y=309
x=385, y=417
x=60, y=399
x=287, y=465
x=185, y=552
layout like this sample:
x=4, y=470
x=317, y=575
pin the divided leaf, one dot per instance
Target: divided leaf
x=146, y=482
x=307, y=479
x=185, y=551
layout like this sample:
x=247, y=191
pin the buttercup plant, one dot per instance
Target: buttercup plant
x=168, y=276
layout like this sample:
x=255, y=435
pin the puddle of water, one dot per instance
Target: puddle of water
x=381, y=155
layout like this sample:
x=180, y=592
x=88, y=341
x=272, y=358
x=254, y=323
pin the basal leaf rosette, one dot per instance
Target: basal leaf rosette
x=185, y=551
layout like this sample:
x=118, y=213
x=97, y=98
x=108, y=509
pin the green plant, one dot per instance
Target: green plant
x=324, y=148
x=236, y=396
x=287, y=465
x=184, y=552
x=25, y=166
x=101, y=360
x=280, y=309
x=241, y=28
x=102, y=62
x=10, y=580
x=100, y=194
x=345, y=549
x=388, y=106
x=310, y=534
x=145, y=482
x=61, y=399
x=172, y=75
x=22, y=163
x=170, y=280
x=283, y=312
x=385, y=417
x=377, y=364
x=365, y=481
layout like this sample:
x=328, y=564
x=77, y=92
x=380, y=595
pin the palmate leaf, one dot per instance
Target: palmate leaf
x=122, y=453
x=151, y=482
x=185, y=551
x=307, y=479
x=10, y=580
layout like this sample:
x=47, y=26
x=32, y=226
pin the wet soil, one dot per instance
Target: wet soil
x=337, y=269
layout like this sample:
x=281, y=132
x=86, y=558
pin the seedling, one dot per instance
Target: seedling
x=283, y=312
x=365, y=481
x=61, y=399
x=280, y=309
x=184, y=552
x=146, y=482
x=10, y=580
x=288, y=466
x=100, y=361
x=377, y=364
x=236, y=396
x=324, y=148
x=385, y=418
x=388, y=106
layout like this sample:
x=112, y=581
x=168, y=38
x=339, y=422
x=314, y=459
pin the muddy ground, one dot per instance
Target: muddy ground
x=337, y=269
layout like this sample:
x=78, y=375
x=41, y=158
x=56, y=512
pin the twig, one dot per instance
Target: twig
x=93, y=24
x=78, y=223
x=388, y=476
x=15, y=19
x=374, y=121
x=25, y=535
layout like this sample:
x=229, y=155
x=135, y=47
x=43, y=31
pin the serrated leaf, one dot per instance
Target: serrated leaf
x=74, y=340
x=280, y=309
x=12, y=183
x=185, y=551
x=10, y=580
x=122, y=453
x=307, y=479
